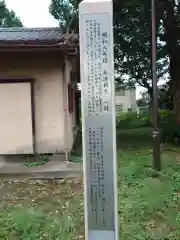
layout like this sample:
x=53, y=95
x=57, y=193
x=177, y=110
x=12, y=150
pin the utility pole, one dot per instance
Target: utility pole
x=155, y=111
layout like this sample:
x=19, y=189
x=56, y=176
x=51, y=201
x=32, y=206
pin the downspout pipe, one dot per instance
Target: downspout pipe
x=66, y=122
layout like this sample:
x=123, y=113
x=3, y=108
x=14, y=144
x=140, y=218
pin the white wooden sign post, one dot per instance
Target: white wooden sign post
x=98, y=119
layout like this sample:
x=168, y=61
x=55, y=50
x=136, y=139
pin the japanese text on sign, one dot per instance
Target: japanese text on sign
x=97, y=83
x=96, y=158
x=98, y=75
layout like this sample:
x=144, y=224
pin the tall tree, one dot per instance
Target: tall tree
x=8, y=17
x=132, y=34
x=66, y=12
x=132, y=30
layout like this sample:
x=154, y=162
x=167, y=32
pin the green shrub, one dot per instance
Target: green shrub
x=126, y=116
x=170, y=130
x=132, y=120
x=145, y=117
x=165, y=113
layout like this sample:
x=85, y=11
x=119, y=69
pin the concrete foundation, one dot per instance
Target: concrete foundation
x=15, y=169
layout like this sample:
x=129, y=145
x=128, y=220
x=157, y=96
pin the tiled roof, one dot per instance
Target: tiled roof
x=30, y=34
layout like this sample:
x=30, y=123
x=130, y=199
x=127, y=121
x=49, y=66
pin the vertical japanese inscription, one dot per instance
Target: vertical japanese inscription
x=97, y=56
x=96, y=157
x=97, y=86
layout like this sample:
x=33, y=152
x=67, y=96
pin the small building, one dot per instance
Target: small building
x=125, y=100
x=38, y=78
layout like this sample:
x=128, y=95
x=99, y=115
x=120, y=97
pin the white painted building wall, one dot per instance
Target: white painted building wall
x=126, y=100
x=54, y=129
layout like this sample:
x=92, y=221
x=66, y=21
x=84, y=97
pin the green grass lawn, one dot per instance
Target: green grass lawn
x=149, y=207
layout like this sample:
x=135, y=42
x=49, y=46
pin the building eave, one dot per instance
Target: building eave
x=42, y=39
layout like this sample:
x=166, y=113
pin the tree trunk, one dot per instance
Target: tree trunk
x=176, y=98
x=151, y=106
x=171, y=29
x=175, y=77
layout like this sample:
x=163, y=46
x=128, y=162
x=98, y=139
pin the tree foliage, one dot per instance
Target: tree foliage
x=66, y=12
x=165, y=96
x=141, y=103
x=132, y=35
x=8, y=17
x=132, y=29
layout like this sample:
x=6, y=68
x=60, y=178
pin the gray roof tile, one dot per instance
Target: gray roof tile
x=31, y=34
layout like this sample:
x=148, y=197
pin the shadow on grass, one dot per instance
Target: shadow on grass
x=140, y=138
x=148, y=206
